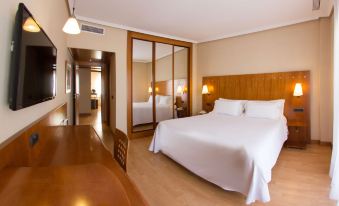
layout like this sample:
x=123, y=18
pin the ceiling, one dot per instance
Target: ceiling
x=142, y=50
x=198, y=20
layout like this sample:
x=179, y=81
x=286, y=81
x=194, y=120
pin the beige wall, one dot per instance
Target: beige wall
x=114, y=40
x=141, y=82
x=304, y=46
x=51, y=15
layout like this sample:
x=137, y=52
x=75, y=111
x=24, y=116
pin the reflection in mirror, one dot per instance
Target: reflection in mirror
x=164, y=82
x=181, y=81
x=142, y=117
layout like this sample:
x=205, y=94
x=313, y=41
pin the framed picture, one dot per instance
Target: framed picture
x=68, y=77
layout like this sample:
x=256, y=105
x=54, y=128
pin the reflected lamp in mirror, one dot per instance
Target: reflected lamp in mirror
x=205, y=89
x=180, y=90
x=30, y=25
x=150, y=90
x=298, y=90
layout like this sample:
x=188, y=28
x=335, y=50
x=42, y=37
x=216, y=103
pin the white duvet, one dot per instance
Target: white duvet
x=235, y=153
x=143, y=112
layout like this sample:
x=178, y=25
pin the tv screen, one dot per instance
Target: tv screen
x=33, y=63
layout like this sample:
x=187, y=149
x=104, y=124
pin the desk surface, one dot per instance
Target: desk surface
x=73, y=168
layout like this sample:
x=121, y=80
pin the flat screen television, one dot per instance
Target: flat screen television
x=33, y=63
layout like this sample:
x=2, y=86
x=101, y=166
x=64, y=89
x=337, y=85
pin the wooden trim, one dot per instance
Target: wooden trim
x=190, y=80
x=173, y=92
x=129, y=84
x=321, y=143
x=154, y=39
x=147, y=37
x=17, y=150
x=153, y=84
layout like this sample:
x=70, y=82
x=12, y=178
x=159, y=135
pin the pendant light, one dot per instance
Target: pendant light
x=72, y=25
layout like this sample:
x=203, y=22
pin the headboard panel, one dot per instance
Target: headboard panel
x=268, y=86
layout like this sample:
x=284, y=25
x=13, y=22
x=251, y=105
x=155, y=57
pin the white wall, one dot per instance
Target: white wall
x=51, y=15
x=304, y=46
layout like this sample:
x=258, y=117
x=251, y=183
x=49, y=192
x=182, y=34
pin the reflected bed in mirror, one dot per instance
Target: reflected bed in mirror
x=159, y=87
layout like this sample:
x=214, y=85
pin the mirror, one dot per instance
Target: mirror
x=142, y=100
x=180, y=82
x=164, y=82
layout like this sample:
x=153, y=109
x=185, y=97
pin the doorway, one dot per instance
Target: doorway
x=94, y=91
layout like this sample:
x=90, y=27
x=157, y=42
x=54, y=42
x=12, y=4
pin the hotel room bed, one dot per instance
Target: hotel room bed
x=236, y=153
x=143, y=112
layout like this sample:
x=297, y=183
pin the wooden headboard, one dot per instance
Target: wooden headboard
x=267, y=86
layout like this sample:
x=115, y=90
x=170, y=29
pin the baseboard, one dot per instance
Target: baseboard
x=321, y=143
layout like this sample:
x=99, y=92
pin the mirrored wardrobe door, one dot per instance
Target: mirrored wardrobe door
x=180, y=82
x=164, y=82
x=142, y=100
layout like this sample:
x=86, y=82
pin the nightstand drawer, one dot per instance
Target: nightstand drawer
x=296, y=136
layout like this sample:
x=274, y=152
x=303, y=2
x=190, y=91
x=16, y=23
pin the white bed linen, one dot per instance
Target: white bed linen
x=235, y=153
x=143, y=112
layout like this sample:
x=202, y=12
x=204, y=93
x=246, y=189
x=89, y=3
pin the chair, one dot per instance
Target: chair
x=120, y=148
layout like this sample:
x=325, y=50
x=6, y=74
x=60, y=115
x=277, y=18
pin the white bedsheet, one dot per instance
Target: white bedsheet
x=235, y=153
x=143, y=112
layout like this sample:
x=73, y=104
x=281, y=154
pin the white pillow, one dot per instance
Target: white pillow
x=279, y=102
x=166, y=100
x=243, y=102
x=229, y=107
x=150, y=99
x=264, y=109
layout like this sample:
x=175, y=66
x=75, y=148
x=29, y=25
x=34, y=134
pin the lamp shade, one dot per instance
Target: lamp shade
x=205, y=89
x=30, y=25
x=71, y=26
x=298, y=90
x=149, y=89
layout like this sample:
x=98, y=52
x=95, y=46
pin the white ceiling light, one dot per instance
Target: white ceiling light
x=72, y=25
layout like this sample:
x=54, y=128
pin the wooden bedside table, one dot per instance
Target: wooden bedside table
x=297, y=132
x=182, y=112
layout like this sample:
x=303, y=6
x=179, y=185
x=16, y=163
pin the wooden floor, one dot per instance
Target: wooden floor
x=103, y=130
x=300, y=177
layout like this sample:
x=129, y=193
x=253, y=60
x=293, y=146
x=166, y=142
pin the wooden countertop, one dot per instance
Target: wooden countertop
x=72, y=168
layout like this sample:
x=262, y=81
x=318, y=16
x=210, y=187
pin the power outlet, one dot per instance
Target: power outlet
x=33, y=139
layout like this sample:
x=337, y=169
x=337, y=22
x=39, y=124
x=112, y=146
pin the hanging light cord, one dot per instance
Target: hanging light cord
x=73, y=7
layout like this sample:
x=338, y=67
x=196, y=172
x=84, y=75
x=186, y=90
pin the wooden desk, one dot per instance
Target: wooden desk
x=73, y=168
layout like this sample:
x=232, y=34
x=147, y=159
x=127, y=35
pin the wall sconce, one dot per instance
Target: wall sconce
x=150, y=90
x=205, y=89
x=298, y=90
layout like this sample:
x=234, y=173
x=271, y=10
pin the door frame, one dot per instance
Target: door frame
x=154, y=39
x=105, y=66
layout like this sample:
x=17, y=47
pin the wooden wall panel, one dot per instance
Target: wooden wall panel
x=16, y=151
x=267, y=86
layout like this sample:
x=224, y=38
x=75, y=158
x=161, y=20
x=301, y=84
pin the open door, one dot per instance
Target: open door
x=112, y=94
x=76, y=94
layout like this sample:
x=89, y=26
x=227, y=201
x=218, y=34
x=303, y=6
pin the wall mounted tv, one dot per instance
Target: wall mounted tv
x=33, y=63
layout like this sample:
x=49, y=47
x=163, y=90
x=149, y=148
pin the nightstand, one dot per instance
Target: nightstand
x=182, y=112
x=297, y=133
